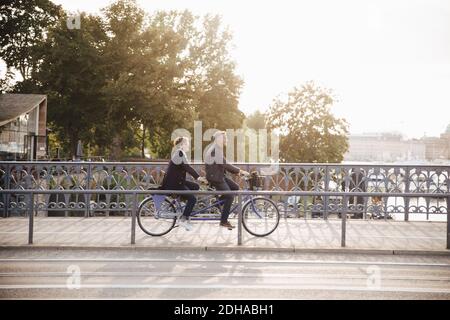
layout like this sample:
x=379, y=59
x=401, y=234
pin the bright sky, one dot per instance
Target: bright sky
x=388, y=61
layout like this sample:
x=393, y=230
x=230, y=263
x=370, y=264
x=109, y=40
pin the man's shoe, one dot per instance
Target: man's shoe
x=227, y=225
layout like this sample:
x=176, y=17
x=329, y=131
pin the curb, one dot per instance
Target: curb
x=422, y=252
x=236, y=249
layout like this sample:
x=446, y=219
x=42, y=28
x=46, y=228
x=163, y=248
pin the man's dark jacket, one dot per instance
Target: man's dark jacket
x=216, y=166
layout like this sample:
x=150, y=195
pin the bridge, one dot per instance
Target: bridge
x=358, y=215
x=301, y=191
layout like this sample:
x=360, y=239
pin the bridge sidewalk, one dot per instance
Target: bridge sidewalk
x=293, y=235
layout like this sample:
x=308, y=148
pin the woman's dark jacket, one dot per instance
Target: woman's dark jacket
x=176, y=172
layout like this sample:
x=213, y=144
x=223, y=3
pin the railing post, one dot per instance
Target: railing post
x=406, y=200
x=344, y=222
x=448, y=223
x=239, y=220
x=31, y=218
x=133, y=219
x=8, y=187
x=87, y=197
x=326, y=198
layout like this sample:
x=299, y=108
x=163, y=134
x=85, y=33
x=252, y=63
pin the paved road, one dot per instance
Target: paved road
x=195, y=274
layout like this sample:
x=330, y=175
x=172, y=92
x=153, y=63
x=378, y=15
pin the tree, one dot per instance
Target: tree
x=71, y=75
x=123, y=21
x=23, y=30
x=219, y=86
x=165, y=71
x=125, y=80
x=168, y=90
x=308, y=131
x=6, y=81
x=146, y=79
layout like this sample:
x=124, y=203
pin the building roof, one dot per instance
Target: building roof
x=14, y=105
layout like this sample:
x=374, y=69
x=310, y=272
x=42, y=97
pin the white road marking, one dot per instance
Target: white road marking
x=331, y=262
x=183, y=274
x=230, y=286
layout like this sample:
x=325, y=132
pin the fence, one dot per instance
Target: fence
x=374, y=190
x=30, y=206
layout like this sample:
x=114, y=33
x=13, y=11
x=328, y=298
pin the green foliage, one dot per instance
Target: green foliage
x=256, y=120
x=308, y=130
x=125, y=73
x=22, y=31
x=71, y=75
x=6, y=82
x=126, y=79
x=220, y=86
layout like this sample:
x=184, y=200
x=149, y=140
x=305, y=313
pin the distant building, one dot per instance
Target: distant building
x=384, y=147
x=391, y=147
x=23, y=126
x=446, y=138
x=435, y=148
x=438, y=148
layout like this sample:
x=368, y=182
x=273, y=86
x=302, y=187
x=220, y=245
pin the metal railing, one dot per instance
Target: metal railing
x=375, y=189
x=30, y=206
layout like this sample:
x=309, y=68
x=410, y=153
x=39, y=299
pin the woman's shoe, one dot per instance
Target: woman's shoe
x=185, y=224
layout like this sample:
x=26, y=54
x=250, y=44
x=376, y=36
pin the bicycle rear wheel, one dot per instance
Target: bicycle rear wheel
x=260, y=216
x=156, y=223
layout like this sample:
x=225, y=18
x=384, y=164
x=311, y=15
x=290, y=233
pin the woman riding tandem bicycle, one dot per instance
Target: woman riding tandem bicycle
x=158, y=214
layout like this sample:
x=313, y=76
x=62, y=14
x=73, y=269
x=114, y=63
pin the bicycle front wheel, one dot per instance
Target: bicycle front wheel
x=260, y=216
x=156, y=223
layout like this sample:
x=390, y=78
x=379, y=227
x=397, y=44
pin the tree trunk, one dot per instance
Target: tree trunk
x=143, y=143
x=73, y=143
x=116, y=148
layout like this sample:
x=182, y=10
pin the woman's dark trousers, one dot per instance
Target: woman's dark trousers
x=190, y=198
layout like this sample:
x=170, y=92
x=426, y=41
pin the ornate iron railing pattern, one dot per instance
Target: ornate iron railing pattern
x=393, y=179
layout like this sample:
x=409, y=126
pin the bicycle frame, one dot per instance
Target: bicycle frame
x=180, y=208
x=170, y=207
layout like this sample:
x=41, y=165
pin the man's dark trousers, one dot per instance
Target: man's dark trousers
x=226, y=185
